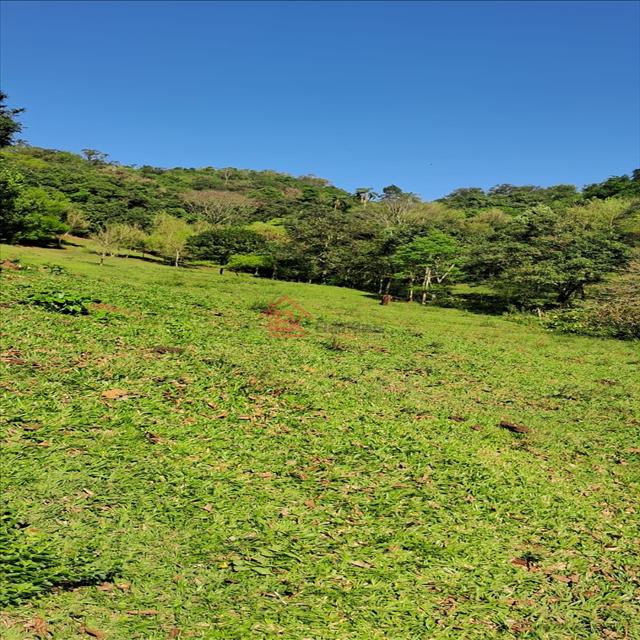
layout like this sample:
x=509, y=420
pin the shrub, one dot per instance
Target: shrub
x=613, y=311
x=60, y=302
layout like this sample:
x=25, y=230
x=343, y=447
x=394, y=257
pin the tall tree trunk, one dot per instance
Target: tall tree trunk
x=411, y=281
x=426, y=283
x=102, y=257
x=177, y=257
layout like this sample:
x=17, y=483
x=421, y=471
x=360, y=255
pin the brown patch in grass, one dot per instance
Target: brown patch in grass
x=513, y=427
x=163, y=349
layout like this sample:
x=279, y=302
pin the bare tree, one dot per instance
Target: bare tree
x=396, y=204
x=107, y=240
x=219, y=207
x=77, y=223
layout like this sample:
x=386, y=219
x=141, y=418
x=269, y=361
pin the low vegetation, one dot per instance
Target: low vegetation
x=174, y=466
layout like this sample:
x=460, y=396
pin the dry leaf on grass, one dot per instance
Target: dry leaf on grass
x=525, y=564
x=361, y=564
x=143, y=612
x=94, y=633
x=38, y=626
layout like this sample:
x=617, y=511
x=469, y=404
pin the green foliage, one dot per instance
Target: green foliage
x=169, y=237
x=77, y=223
x=616, y=186
x=9, y=126
x=38, y=216
x=55, y=269
x=11, y=186
x=60, y=302
x=249, y=262
x=31, y=565
x=544, y=257
x=613, y=309
x=108, y=193
x=430, y=258
x=272, y=231
x=219, y=244
x=511, y=198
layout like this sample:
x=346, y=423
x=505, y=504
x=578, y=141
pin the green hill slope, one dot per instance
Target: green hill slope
x=173, y=465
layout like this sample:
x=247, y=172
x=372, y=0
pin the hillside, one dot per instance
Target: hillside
x=173, y=466
x=525, y=248
x=108, y=192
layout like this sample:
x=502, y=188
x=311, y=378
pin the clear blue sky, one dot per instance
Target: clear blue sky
x=427, y=95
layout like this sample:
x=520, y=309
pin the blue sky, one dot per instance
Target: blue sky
x=427, y=95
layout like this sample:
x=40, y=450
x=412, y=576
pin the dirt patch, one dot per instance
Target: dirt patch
x=513, y=427
x=10, y=266
x=164, y=349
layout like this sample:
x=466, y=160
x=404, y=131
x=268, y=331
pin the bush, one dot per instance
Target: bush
x=613, y=311
x=218, y=245
x=249, y=262
x=55, y=269
x=60, y=302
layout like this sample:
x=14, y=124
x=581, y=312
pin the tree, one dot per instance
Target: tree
x=219, y=207
x=467, y=199
x=77, y=223
x=129, y=237
x=546, y=257
x=616, y=306
x=219, y=244
x=327, y=238
x=396, y=204
x=11, y=186
x=364, y=195
x=625, y=186
x=614, y=215
x=273, y=231
x=107, y=240
x=95, y=157
x=431, y=257
x=9, y=126
x=169, y=237
x=39, y=216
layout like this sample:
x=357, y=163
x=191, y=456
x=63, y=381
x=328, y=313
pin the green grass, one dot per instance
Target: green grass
x=351, y=483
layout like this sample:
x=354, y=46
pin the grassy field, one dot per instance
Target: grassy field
x=171, y=469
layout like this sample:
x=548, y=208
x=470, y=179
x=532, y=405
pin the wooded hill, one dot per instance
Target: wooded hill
x=520, y=247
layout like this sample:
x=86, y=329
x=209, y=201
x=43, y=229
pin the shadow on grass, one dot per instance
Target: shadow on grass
x=481, y=303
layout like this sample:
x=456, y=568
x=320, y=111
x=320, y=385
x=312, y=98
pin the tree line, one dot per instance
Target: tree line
x=526, y=247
